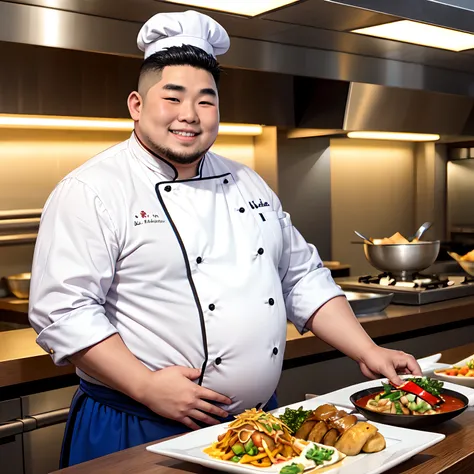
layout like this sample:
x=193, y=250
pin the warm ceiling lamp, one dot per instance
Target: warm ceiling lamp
x=420, y=33
x=86, y=123
x=406, y=137
x=243, y=7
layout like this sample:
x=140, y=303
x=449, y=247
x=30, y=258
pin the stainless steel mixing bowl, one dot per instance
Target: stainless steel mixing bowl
x=402, y=260
x=19, y=285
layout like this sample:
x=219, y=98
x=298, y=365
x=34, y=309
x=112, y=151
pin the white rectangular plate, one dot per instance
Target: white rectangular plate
x=342, y=396
x=402, y=444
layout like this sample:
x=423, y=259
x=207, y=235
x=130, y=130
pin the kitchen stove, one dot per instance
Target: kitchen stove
x=418, y=290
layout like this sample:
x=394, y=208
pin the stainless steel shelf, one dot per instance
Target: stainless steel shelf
x=20, y=239
x=19, y=226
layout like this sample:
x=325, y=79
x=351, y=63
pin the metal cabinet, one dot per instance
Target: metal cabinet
x=11, y=442
x=31, y=431
x=42, y=445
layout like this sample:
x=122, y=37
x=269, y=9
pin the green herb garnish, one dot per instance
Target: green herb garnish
x=295, y=418
x=292, y=469
x=319, y=455
x=387, y=389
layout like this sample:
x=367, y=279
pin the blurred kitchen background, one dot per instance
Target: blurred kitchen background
x=297, y=81
x=299, y=71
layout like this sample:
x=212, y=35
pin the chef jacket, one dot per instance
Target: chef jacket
x=201, y=272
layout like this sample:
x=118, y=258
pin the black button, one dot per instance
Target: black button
x=271, y=301
x=212, y=307
x=198, y=260
x=226, y=181
x=275, y=350
x=242, y=210
x=168, y=188
x=218, y=361
x=260, y=251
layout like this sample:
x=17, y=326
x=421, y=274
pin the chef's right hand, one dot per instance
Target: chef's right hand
x=171, y=393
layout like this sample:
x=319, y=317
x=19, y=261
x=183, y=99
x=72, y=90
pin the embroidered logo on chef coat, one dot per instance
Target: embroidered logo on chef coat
x=144, y=218
x=260, y=203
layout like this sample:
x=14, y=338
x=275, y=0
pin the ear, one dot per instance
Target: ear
x=135, y=104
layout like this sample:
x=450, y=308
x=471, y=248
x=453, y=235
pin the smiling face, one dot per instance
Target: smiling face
x=176, y=113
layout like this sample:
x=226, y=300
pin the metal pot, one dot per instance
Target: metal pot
x=19, y=285
x=402, y=260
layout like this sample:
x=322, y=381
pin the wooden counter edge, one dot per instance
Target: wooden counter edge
x=31, y=369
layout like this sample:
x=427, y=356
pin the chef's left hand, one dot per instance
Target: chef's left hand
x=380, y=362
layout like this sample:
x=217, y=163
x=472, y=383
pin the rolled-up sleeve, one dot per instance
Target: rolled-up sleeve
x=307, y=284
x=73, y=269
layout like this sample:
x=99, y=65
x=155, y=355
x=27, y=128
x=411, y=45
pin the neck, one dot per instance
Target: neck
x=186, y=171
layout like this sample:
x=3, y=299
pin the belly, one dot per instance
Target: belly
x=246, y=346
x=248, y=380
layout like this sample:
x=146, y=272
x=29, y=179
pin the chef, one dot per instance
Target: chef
x=166, y=273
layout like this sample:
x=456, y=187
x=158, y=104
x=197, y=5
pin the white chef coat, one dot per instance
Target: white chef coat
x=199, y=273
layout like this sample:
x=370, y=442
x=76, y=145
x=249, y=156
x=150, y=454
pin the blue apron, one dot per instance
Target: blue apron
x=102, y=421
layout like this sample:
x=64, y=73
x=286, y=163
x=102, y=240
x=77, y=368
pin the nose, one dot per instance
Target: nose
x=188, y=113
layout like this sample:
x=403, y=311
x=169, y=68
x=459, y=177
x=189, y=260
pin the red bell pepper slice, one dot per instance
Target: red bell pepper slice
x=412, y=387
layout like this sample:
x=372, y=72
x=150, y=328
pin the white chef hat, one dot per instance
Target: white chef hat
x=175, y=29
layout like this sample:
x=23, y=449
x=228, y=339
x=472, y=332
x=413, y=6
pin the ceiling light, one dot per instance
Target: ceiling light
x=86, y=123
x=419, y=33
x=246, y=7
x=407, y=137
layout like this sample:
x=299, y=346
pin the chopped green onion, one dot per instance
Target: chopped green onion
x=319, y=454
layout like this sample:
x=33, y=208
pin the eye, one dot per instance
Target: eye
x=205, y=103
x=172, y=99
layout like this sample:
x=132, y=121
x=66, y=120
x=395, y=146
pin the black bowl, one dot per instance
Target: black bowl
x=408, y=421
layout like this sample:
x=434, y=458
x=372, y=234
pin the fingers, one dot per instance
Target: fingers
x=387, y=371
x=209, y=408
x=393, y=376
x=189, y=423
x=412, y=365
x=206, y=394
x=190, y=373
x=199, y=415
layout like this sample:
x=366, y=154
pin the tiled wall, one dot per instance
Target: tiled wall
x=32, y=162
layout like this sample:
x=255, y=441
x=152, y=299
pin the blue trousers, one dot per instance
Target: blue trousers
x=103, y=421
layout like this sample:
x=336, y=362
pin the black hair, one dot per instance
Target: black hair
x=185, y=55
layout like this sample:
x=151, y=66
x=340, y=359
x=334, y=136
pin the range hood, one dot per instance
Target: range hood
x=453, y=14
x=340, y=107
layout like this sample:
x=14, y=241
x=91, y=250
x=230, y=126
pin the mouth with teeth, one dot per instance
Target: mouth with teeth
x=184, y=134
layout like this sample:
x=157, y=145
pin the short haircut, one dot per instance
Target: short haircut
x=185, y=55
